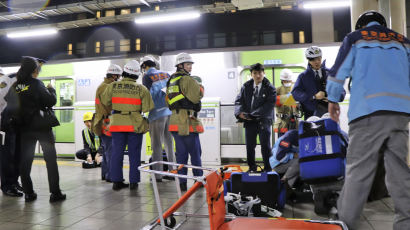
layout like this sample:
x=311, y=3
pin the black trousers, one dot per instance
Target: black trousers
x=9, y=158
x=264, y=129
x=28, y=145
x=82, y=154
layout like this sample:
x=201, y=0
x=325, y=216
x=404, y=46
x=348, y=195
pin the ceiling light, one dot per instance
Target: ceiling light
x=325, y=4
x=32, y=33
x=167, y=17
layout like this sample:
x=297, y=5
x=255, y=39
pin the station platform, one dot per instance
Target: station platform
x=92, y=204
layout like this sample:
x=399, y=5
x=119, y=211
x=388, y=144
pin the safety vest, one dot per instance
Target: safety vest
x=176, y=99
x=94, y=146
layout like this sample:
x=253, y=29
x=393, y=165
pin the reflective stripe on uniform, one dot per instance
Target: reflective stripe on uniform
x=121, y=128
x=175, y=79
x=125, y=100
x=88, y=138
x=278, y=101
x=174, y=128
x=175, y=99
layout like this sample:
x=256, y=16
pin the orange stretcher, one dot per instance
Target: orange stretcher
x=213, y=183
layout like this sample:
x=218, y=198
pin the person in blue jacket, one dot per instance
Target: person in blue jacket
x=377, y=60
x=285, y=153
x=310, y=87
x=158, y=117
x=254, y=106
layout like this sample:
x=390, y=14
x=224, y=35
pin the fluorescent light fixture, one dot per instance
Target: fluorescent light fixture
x=325, y=4
x=171, y=17
x=32, y=33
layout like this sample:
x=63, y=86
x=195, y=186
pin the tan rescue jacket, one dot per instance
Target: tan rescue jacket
x=128, y=100
x=183, y=121
x=101, y=111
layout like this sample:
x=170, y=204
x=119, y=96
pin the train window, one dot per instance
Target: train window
x=287, y=37
x=125, y=11
x=97, y=47
x=138, y=10
x=156, y=8
x=98, y=14
x=109, y=46
x=109, y=13
x=70, y=49
x=301, y=36
x=66, y=98
x=80, y=48
x=255, y=38
x=186, y=41
x=202, y=41
x=269, y=38
x=170, y=42
x=219, y=40
x=138, y=44
x=125, y=45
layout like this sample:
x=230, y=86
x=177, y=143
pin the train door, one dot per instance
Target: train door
x=64, y=109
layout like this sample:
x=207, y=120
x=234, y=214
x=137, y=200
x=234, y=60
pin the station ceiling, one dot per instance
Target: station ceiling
x=19, y=14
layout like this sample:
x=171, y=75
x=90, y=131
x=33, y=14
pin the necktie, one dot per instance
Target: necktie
x=255, y=95
x=317, y=76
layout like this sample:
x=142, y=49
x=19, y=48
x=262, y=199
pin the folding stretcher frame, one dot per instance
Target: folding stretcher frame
x=213, y=182
x=200, y=181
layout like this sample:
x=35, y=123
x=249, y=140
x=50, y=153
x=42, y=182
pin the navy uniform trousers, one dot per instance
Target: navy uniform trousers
x=264, y=130
x=188, y=146
x=119, y=141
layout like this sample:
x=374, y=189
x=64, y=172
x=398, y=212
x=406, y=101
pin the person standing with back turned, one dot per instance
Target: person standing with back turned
x=156, y=81
x=377, y=60
x=31, y=98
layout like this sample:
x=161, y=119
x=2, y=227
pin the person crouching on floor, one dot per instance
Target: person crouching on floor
x=90, y=153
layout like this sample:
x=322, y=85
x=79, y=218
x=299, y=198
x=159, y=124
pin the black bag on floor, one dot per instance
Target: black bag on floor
x=265, y=185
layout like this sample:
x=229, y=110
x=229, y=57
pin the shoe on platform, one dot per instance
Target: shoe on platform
x=119, y=185
x=28, y=197
x=18, y=187
x=57, y=197
x=133, y=186
x=12, y=192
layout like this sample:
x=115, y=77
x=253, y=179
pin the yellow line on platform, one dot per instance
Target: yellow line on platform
x=66, y=163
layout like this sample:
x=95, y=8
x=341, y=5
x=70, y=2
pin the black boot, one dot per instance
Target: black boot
x=133, y=186
x=119, y=185
x=30, y=197
x=12, y=192
x=54, y=197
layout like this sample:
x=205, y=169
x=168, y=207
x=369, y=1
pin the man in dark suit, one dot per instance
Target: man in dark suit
x=254, y=106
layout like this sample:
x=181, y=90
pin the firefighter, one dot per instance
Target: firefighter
x=128, y=100
x=101, y=120
x=184, y=95
x=286, y=114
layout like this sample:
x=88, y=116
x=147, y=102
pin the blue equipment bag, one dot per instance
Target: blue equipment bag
x=265, y=185
x=322, y=151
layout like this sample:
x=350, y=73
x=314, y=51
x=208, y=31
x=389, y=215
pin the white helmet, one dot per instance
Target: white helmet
x=286, y=74
x=312, y=119
x=132, y=67
x=313, y=52
x=182, y=58
x=147, y=58
x=114, y=69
